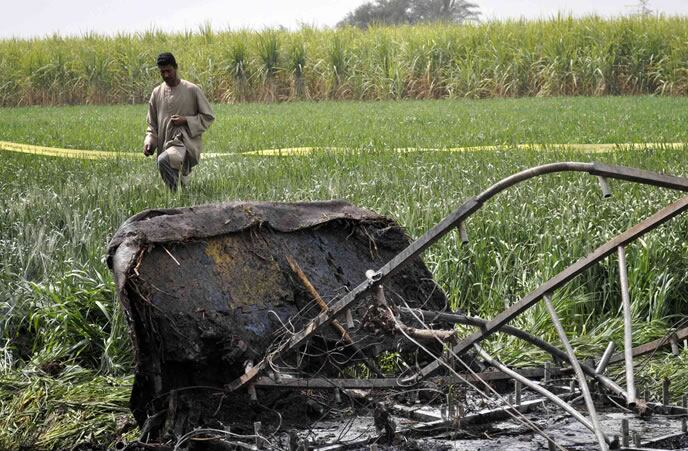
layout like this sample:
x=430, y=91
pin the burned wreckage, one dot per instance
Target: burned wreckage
x=261, y=325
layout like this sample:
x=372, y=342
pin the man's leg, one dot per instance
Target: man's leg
x=169, y=175
x=185, y=173
x=169, y=164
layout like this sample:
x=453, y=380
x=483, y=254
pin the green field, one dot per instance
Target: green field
x=371, y=125
x=62, y=325
x=561, y=56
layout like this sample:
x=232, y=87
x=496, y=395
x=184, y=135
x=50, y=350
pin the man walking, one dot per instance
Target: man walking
x=178, y=114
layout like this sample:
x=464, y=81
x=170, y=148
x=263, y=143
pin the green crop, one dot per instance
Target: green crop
x=65, y=356
x=554, y=57
x=370, y=125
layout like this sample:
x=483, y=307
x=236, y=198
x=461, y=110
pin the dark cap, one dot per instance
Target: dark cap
x=167, y=59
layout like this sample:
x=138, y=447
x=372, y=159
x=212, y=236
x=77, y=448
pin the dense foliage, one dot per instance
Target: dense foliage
x=561, y=56
x=404, y=12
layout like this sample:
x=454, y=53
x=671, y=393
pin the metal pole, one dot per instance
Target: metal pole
x=628, y=328
x=625, y=434
x=535, y=387
x=556, y=352
x=675, y=349
x=585, y=390
x=637, y=441
x=604, y=361
x=349, y=320
x=666, y=394
x=548, y=373
x=604, y=186
x=463, y=234
x=257, y=426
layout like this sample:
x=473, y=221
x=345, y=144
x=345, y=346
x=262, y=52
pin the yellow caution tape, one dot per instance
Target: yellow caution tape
x=584, y=148
x=63, y=153
x=302, y=151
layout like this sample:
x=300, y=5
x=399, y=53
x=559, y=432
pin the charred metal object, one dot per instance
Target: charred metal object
x=207, y=289
x=249, y=301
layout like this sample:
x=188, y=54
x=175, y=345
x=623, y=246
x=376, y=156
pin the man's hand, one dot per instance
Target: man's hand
x=147, y=150
x=178, y=120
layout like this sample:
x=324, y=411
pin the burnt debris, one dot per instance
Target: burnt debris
x=262, y=325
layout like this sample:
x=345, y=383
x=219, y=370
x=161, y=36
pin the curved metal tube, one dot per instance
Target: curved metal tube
x=474, y=204
x=564, y=277
x=445, y=226
x=596, y=169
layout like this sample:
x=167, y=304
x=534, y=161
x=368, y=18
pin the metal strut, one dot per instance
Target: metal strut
x=455, y=219
x=562, y=278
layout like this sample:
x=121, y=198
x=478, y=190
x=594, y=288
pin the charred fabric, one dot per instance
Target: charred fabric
x=263, y=325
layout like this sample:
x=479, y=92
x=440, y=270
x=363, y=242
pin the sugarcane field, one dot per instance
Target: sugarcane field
x=356, y=225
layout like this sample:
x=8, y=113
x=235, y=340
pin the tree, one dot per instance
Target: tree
x=398, y=12
x=444, y=11
x=644, y=8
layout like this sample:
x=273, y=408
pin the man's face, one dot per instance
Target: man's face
x=168, y=74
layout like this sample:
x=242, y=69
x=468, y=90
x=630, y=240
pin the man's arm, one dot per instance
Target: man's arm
x=151, y=140
x=201, y=121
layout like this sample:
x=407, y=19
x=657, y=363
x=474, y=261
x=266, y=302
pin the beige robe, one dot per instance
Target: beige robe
x=186, y=99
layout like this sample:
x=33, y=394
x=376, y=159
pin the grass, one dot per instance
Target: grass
x=554, y=57
x=62, y=328
x=41, y=411
x=370, y=125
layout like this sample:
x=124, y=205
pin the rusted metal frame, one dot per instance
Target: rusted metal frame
x=445, y=226
x=454, y=318
x=474, y=204
x=485, y=415
x=532, y=339
x=518, y=333
x=596, y=169
x=582, y=382
x=313, y=293
x=563, y=278
x=640, y=176
x=321, y=383
x=542, y=391
x=425, y=426
x=482, y=416
x=648, y=348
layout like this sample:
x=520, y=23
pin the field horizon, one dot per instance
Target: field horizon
x=553, y=57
